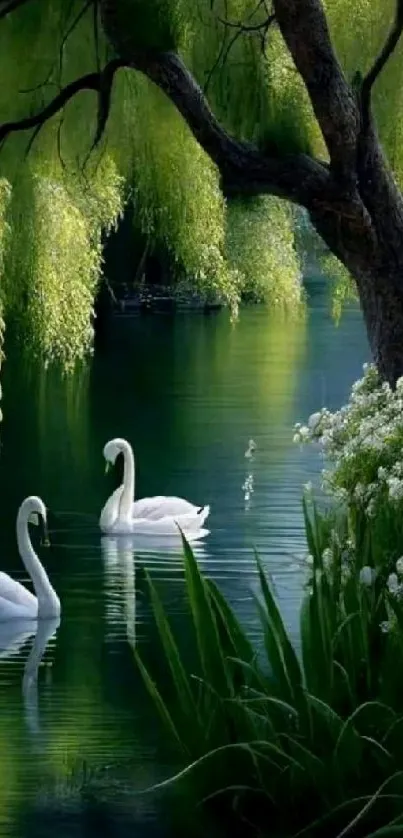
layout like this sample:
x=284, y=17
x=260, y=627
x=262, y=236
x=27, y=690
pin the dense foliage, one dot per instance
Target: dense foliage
x=315, y=723
x=56, y=202
x=291, y=744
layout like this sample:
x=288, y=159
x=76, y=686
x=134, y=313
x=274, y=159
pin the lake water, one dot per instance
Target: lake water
x=188, y=392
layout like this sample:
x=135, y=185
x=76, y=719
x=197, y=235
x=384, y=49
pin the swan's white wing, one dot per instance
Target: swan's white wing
x=12, y=611
x=15, y=592
x=189, y=524
x=162, y=507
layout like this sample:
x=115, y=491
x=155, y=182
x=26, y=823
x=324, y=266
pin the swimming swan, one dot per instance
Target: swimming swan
x=16, y=602
x=123, y=515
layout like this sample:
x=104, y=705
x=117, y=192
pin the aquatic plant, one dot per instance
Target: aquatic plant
x=286, y=743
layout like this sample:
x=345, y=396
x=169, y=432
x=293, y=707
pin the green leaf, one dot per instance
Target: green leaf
x=180, y=679
x=158, y=701
x=242, y=648
x=275, y=628
x=213, y=663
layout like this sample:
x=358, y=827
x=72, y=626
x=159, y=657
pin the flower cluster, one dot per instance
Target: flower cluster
x=362, y=443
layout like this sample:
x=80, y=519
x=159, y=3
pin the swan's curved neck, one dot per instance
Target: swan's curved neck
x=127, y=496
x=48, y=601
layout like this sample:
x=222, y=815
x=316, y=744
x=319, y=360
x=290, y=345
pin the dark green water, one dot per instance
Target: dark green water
x=188, y=392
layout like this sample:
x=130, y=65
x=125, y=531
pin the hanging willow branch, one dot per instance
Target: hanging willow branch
x=380, y=62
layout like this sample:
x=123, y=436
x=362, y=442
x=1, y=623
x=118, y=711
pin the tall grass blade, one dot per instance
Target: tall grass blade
x=242, y=647
x=275, y=626
x=213, y=663
x=369, y=805
x=180, y=679
x=159, y=702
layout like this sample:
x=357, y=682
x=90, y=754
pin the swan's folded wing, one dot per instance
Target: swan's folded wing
x=16, y=593
x=162, y=507
x=13, y=611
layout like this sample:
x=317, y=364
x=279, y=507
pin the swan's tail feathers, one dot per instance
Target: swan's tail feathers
x=202, y=513
x=196, y=536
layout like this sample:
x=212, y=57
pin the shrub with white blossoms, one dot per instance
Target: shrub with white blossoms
x=362, y=444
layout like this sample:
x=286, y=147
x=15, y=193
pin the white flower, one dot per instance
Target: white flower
x=393, y=583
x=359, y=492
x=371, y=508
x=308, y=487
x=327, y=557
x=309, y=559
x=395, y=488
x=314, y=420
x=399, y=566
x=345, y=573
x=367, y=576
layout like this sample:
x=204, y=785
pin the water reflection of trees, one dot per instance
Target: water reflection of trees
x=187, y=393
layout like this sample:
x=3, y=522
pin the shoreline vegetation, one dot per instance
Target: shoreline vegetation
x=303, y=742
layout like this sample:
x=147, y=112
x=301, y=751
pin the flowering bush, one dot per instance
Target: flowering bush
x=363, y=444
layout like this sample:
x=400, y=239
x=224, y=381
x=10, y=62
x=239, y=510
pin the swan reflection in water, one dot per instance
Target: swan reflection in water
x=13, y=636
x=120, y=555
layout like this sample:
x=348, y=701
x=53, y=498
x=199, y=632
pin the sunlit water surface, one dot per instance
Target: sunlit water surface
x=188, y=392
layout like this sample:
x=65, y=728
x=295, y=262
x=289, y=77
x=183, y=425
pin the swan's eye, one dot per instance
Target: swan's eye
x=34, y=519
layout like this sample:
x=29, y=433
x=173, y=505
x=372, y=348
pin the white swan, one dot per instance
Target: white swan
x=16, y=602
x=123, y=515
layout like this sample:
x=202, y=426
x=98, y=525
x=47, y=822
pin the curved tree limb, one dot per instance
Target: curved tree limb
x=379, y=63
x=243, y=168
x=91, y=81
x=11, y=7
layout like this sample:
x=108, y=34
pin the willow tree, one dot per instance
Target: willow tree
x=283, y=98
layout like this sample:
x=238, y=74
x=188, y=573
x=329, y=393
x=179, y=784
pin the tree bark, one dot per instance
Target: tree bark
x=378, y=277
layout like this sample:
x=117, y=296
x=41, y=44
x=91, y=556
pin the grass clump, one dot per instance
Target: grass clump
x=287, y=743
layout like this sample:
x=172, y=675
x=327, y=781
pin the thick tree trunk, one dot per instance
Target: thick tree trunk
x=382, y=306
x=375, y=261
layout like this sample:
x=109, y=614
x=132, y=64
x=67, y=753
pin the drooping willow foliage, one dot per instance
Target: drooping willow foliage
x=57, y=201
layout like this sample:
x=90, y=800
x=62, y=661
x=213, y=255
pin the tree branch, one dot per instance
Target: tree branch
x=247, y=27
x=11, y=7
x=305, y=31
x=379, y=63
x=244, y=169
x=91, y=81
